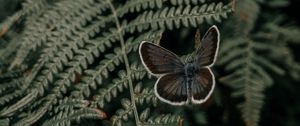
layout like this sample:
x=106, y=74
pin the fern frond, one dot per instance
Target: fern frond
x=69, y=104
x=96, y=76
x=10, y=96
x=85, y=56
x=249, y=57
x=281, y=37
x=34, y=6
x=50, y=100
x=118, y=85
x=122, y=114
x=10, y=85
x=165, y=119
x=106, y=94
x=4, y=122
x=168, y=18
x=246, y=15
x=69, y=39
x=77, y=63
x=30, y=7
x=9, y=48
x=31, y=118
x=11, y=74
x=187, y=2
x=73, y=109
x=48, y=73
x=138, y=5
x=42, y=32
x=64, y=118
x=277, y=3
x=145, y=95
x=21, y=103
x=93, y=77
x=248, y=77
x=288, y=33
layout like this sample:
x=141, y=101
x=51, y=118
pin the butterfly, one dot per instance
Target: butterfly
x=182, y=83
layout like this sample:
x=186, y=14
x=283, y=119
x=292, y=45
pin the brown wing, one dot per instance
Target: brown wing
x=203, y=86
x=159, y=60
x=207, y=53
x=172, y=89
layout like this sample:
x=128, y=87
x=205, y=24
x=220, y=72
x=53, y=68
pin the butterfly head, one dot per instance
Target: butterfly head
x=190, y=58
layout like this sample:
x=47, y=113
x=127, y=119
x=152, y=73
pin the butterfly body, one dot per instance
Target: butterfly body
x=189, y=70
x=189, y=74
x=182, y=83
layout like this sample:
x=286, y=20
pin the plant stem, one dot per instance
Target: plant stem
x=125, y=61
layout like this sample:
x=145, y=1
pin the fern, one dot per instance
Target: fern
x=124, y=113
x=65, y=62
x=186, y=16
x=242, y=55
x=145, y=95
x=167, y=119
x=73, y=109
x=75, y=47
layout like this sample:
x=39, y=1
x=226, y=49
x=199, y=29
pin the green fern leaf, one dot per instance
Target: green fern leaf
x=168, y=18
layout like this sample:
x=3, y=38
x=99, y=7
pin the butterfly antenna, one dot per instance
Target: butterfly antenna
x=197, y=39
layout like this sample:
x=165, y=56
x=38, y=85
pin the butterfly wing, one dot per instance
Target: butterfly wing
x=203, y=86
x=207, y=53
x=172, y=89
x=159, y=60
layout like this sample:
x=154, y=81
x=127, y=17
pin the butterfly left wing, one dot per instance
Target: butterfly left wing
x=203, y=86
x=159, y=60
x=172, y=89
x=209, y=45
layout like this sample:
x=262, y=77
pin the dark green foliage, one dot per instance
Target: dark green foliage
x=81, y=58
x=255, y=52
x=76, y=62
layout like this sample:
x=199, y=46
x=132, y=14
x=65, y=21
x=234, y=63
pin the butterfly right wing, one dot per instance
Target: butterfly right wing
x=209, y=46
x=159, y=60
x=172, y=89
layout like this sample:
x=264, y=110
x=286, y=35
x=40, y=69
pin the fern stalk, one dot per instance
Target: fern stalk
x=125, y=61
